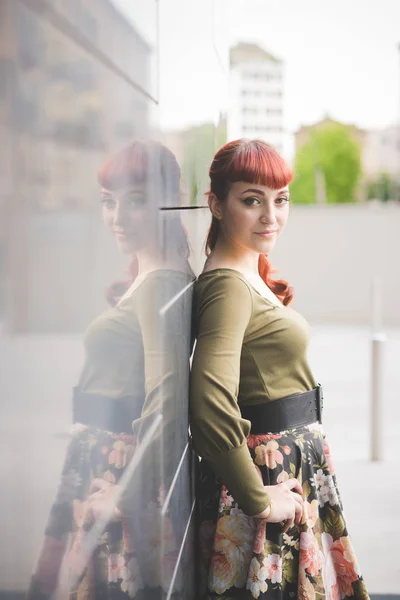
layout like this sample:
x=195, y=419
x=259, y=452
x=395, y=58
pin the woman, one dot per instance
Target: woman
x=270, y=516
x=111, y=532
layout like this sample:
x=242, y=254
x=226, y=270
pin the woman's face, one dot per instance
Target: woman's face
x=126, y=214
x=253, y=215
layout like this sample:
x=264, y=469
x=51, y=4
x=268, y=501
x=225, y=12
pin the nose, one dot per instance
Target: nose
x=268, y=214
x=119, y=215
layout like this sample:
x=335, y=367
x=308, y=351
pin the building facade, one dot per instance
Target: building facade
x=382, y=151
x=256, y=95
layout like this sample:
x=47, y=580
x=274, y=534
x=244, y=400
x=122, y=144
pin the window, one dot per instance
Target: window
x=274, y=111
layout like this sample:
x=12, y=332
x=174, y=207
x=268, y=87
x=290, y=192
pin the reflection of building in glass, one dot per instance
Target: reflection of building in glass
x=256, y=95
x=64, y=99
x=195, y=148
x=75, y=87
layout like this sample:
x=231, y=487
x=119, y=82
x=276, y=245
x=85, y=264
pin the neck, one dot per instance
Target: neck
x=234, y=257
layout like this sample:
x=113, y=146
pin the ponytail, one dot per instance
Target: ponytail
x=280, y=288
x=212, y=235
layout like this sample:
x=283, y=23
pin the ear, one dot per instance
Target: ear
x=215, y=206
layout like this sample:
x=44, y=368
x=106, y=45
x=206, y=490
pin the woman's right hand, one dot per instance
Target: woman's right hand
x=286, y=503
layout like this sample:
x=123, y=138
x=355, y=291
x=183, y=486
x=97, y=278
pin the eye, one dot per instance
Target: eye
x=135, y=200
x=282, y=200
x=251, y=201
x=107, y=201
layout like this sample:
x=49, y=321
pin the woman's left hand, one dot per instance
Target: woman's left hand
x=102, y=501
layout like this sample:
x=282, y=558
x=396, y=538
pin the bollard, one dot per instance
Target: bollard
x=378, y=341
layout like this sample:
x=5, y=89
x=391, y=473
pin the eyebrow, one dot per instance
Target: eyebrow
x=261, y=193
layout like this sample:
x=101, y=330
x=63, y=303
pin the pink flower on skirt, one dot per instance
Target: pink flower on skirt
x=328, y=457
x=256, y=440
x=310, y=556
x=121, y=454
x=329, y=576
x=116, y=563
x=273, y=565
x=310, y=513
x=269, y=455
x=346, y=570
x=226, y=499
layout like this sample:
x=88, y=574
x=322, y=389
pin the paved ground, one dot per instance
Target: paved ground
x=36, y=375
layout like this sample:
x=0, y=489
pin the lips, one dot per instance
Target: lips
x=266, y=232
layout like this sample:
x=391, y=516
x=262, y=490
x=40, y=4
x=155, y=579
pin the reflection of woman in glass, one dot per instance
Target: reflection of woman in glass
x=128, y=376
x=270, y=516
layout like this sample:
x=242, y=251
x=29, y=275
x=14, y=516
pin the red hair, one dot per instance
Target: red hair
x=147, y=163
x=253, y=161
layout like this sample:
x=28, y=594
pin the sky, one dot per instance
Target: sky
x=341, y=58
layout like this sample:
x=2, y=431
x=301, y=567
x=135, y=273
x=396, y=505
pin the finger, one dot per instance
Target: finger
x=298, y=500
x=117, y=514
x=99, y=484
x=288, y=524
x=293, y=484
x=298, y=508
x=96, y=497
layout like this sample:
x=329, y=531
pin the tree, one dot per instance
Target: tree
x=201, y=143
x=331, y=153
x=383, y=188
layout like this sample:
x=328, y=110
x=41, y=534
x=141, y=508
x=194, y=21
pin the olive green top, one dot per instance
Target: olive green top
x=140, y=349
x=248, y=351
x=128, y=346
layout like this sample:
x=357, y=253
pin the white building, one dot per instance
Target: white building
x=255, y=95
x=381, y=151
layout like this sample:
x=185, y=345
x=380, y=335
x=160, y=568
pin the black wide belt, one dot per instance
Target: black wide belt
x=286, y=413
x=102, y=412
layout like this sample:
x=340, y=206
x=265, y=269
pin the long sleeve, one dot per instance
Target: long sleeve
x=166, y=351
x=223, y=310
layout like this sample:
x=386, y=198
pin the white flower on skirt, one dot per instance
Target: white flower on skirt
x=256, y=580
x=131, y=579
x=327, y=492
x=319, y=478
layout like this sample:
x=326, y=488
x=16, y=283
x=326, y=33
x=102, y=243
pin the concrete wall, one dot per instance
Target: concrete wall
x=330, y=255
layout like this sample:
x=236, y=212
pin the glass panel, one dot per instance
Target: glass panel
x=122, y=34
x=193, y=87
x=95, y=327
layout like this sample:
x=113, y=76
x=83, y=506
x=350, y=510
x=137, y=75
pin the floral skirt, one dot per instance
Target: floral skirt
x=243, y=557
x=125, y=560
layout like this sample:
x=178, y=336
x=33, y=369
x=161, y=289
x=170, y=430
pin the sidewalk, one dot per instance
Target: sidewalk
x=340, y=358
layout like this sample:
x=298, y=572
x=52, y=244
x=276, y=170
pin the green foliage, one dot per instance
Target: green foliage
x=201, y=143
x=333, y=152
x=383, y=188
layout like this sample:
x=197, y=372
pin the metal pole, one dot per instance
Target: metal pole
x=398, y=136
x=378, y=341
